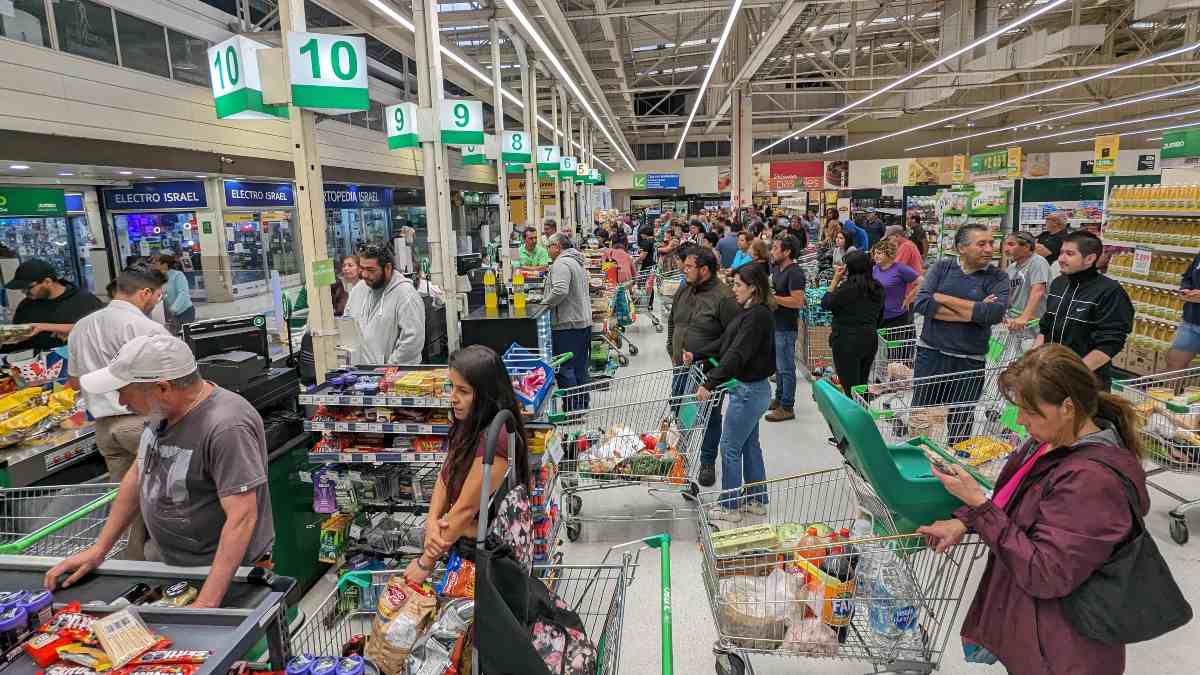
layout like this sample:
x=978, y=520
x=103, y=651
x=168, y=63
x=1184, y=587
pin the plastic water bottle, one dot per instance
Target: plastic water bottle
x=890, y=593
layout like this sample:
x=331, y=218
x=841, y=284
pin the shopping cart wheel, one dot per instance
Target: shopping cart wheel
x=730, y=664
x=574, y=505
x=692, y=492
x=633, y=350
x=1179, y=529
x=573, y=531
x=623, y=360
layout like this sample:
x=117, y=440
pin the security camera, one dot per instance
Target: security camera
x=228, y=160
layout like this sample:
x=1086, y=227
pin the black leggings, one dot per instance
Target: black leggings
x=853, y=356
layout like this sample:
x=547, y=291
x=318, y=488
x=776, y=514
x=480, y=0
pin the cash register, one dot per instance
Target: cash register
x=233, y=353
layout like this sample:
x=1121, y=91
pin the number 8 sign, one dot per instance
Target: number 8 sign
x=462, y=122
x=514, y=147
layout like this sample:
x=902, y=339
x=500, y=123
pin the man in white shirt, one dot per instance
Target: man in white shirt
x=388, y=310
x=92, y=344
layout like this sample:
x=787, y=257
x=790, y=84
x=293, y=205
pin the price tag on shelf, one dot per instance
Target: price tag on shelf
x=341, y=426
x=1141, y=260
x=375, y=428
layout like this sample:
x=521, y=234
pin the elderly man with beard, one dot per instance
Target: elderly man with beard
x=388, y=310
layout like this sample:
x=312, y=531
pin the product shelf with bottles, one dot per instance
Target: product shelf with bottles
x=1155, y=200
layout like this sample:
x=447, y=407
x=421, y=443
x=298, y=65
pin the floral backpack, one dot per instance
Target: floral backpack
x=559, y=640
x=512, y=523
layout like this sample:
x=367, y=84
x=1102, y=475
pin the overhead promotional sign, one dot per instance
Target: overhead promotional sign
x=568, y=167
x=254, y=195
x=236, y=85
x=989, y=163
x=1014, y=162
x=1181, y=144
x=474, y=154
x=1106, y=149
x=328, y=73
x=339, y=196
x=795, y=176
x=514, y=147
x=402, y=126
x=176, y=194
x=21, y=201
x=656, y=181
x=462, y=122
x=548, y=158
x=889, y=175
x=958, y=170
x=1145, y=163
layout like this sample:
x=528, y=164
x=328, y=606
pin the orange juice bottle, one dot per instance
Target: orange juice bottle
x=812, y=547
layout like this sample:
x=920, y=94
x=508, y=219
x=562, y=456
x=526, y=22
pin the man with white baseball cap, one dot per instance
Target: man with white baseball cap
x=201, y=478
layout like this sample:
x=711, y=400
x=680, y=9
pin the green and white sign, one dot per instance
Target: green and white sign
x=22, y=201
x=514, y=168
x=548, y=157
x=462, y=122
x=328, y=72
x=1181, y=144
x=639, y=181
x=514, y=147
x=475, y=154
x=567, y=167
x=402, y=123
x=595, y=178
x=236, y=85
x=323, y=272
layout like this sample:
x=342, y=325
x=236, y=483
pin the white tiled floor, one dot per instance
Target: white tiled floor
x=796, y=447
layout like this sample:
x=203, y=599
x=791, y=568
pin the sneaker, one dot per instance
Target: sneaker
x=755, y=508
x=708, y=475
x=774, y=404
x=780, y=415
x=718, y=512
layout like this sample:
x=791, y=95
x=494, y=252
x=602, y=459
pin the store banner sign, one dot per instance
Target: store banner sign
x=548, y=158
x=1105, y=157
x=989, y=163
x=339, y=196
x=322, y=271
x=179, y=194
x=889, y=175
x=462, y=122
x=958, y=169
x=1014, y=162
x=656, y=181
x=1181, y=144
x=402, y=126
x=256, y=195
x=568, y=167
x=74, y=203
x=795, y=176
x=21, y=201
x=475, y=154
x=514, y=147
x=328, y=72
x=236, y=85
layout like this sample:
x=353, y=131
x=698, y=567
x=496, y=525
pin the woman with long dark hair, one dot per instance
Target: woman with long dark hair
x=177, y=294
x=747, y=354
x=856, y=301
x=480, y=389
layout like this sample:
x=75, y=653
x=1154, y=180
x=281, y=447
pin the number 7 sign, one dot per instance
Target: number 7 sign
x=548, y=158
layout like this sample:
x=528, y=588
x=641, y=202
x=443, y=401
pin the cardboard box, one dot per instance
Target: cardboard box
x=1143, y=361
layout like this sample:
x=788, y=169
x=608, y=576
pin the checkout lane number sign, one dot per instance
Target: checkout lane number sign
x=328, y=73
x=236, y=86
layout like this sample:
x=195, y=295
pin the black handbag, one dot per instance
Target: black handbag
x=1132, y=597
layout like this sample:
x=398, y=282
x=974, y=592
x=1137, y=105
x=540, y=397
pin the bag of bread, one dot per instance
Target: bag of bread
x=403, y=612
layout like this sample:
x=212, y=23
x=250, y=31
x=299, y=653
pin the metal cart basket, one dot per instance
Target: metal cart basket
x=1169, y=406
x=889, y=601
x=56, y=521
x=608, y=428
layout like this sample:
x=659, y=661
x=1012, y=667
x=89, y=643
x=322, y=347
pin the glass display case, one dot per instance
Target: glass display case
x=247, y=258
x=141, y=235
x=49, y=239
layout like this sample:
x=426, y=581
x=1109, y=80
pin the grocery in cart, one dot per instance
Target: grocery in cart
x=1169, y=407
x=642, y=293
x=818, y=577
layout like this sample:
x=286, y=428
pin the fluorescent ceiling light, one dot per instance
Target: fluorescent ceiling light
x=18, y=167
x=920, y=71
x=201, y=176
x=149, y=177
x=1094, y=127
x=1073, y=113
x=125, y=173
x=1016, y=99
x=1153, y=138
x=1143, y=131
x=399, y=18
x=712, y=66
x=65, y=173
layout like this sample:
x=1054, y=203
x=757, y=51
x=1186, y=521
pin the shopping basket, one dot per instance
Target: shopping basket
x=887, y=600
x=964, y=413
x=55, y=521
x=605, y=427
x=1170, y=431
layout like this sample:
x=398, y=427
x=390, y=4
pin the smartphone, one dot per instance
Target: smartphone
x=940, y=462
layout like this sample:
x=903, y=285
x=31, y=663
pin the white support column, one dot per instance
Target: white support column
x=741, y=191
x=585, y=221
x=501, y=175
x=532, y=184
x=310, y=207
x=554, y=141
x=568, y=190
x=591, y=202
x=434, y=167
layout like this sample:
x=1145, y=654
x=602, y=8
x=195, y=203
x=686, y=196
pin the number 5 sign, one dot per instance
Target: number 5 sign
x=462, y=122
x=328, y=73
x=514, y=148
x=236, y=86
x=402, y=126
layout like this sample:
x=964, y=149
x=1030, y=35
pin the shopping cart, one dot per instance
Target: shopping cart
x=894, y=357
x=643, y=296
x=1170, y=431
x=605, y=426
x=1005, y=346
x=55, y=521
x=887, y=600
x=963, y=412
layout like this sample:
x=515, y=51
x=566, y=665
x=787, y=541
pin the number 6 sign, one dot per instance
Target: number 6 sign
x=462, y=122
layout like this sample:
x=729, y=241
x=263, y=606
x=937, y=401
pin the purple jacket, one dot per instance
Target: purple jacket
x=1061, y=524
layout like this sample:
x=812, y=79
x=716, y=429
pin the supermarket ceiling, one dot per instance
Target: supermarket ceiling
x=850, y=78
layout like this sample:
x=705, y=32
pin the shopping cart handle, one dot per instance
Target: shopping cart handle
x=858, y=389
x=360, y=578
x=561, y=359
x=728, y=384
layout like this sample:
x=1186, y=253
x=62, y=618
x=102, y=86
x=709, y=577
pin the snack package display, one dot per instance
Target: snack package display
x=459, y=581
x=124, y=635
x=435, y=652
x=161, y=669
x=402, y=614
x=70, y=623
x=90, y=657
x=68, y=669
x=164, y=656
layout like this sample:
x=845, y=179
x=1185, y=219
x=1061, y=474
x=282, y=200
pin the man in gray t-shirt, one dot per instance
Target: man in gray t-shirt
x=201, y=483
x=1028, y=278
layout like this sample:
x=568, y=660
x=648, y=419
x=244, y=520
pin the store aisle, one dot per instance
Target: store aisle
x=795, y=447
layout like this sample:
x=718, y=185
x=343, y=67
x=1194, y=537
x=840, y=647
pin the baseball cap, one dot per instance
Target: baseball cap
x=146, y=358
x=29, y=273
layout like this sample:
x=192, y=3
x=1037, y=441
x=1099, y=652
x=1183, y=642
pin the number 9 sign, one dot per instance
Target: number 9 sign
x=402, y=126
x=462, y=122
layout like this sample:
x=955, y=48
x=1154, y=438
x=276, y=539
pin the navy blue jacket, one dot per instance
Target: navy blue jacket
x=961, y=337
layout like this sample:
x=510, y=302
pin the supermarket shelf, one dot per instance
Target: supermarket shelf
x=1153, y=212
x=1142, y=316
x=378, y=457
x=1170, y=248
x=1143, y=282
x=376, y=401
x=378, y=428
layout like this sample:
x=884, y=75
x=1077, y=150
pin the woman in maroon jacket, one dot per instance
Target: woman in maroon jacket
x=1056, y=516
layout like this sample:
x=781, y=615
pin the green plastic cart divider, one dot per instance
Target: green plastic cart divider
x=21, y=545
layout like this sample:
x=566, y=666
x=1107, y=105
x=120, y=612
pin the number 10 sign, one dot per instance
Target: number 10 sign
x=236, y=85
x=328, y=73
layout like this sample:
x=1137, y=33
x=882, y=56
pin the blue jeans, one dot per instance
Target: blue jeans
x=574, y=372
x=741, y=453
x=785, y=368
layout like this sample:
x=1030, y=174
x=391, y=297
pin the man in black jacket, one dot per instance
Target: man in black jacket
x=1085, y=310
x=701, y=310
x=51, y=304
